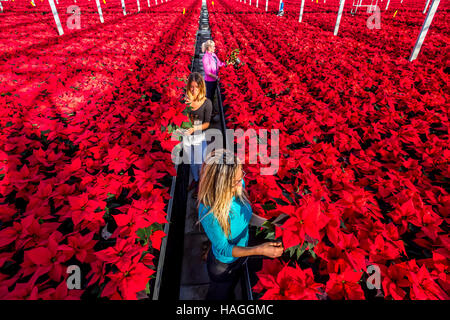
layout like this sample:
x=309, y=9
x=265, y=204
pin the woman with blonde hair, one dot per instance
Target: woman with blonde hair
x=200, y=117
x=211, y=65
x=225, y=212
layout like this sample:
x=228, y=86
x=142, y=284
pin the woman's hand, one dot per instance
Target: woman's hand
x=271, y=249
x=189, y=131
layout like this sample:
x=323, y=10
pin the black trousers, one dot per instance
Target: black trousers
x=211, y=87
x=223, y=277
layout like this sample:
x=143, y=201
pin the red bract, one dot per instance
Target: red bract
x=360, y=137
x=394, y=281
x=80, y=246
x=284, y=282
x=308, y=219
x=121, y=254
x=345, y=285
x=156, y=239
x=424, y=288
x=119, y=159
x=46, y=260
x=86, y=212
x=61, y=293
x=83, y=138
x=131, y=278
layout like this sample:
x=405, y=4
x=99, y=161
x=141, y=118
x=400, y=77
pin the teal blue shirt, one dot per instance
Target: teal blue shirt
x=222, y=246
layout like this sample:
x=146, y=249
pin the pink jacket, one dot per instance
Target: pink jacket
x=210, y=65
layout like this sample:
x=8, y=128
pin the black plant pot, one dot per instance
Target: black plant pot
x=237, y=63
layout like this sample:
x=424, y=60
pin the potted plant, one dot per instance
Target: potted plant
x=233, y=59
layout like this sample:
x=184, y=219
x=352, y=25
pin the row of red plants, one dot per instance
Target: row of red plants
x=364, y=159
x=36, y=25
x=85, y=163
x=397, y=34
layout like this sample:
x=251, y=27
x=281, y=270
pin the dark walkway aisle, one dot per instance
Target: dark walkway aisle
x=194, y=276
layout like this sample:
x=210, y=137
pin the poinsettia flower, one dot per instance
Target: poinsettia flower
x=394, y=280
x=119, y=159
x=307, y=219
x=122, y=253
x=87, y=212
x=129, y=223
x=50, y=259
x=82, y=247
x=33, y=233
x=131, y=278
x=61, y=292
x=345, y=285
x=351, y=250
x=283, y=282
x=424, y=288
x=152, y=209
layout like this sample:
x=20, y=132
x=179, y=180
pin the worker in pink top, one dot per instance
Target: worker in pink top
x=211, y=65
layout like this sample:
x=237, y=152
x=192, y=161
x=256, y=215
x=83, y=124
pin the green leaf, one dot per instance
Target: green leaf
x=270, y=235
x=281, y=202
x=299, y=253
x=142, y=235
x=302, y=249
x=186, y=125
x=313, y=254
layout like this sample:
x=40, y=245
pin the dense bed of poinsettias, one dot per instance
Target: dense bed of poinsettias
x=364, y=158
x=85, y=162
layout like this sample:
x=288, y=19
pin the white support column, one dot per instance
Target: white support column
x=358, y=4
x=267, y=4
x=426, y=6
x=123, y=7
x=338, y=20
x=387, y=5
x=139, y=6
x=257, y=3
x=55, y=15
x=1, y=7
x=279, y=5
x=302, y=6
x=424, y=30
x=99, y=8
x=148, y=3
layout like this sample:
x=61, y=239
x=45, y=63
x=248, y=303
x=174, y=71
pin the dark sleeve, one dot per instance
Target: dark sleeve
x=208, y=111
